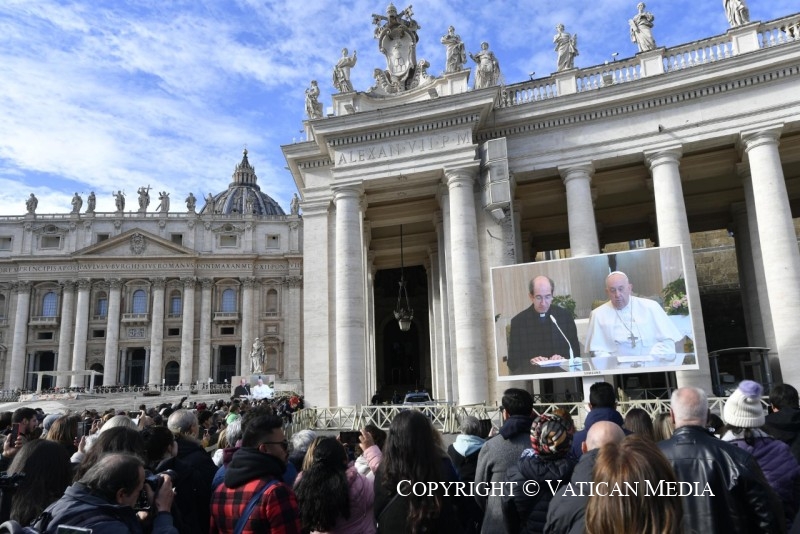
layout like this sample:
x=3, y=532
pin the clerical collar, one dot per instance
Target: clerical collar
x=543, y=315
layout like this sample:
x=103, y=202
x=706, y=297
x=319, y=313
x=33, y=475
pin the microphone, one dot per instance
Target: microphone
x=571, y=354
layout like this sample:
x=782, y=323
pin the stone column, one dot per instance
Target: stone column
x=247, y=324
x=446, y=326
x=65, y=331
x=762, y=316
x=291, y=325
x=778, y=246
x=435, y=313
x=582, y=228
x=110, y=369
x=350, y=320
x=16, y=378
x=156, y=366
x=187, y=332
x=673, y=229
x=466, y=286
x=81, y=332
x=204, y=368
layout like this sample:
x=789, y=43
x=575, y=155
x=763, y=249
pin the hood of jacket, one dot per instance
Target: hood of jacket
x=249, y=463
x=467, y=444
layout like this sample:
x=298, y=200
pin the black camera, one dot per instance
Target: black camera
x=155, y=481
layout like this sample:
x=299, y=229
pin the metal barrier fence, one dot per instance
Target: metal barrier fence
x=445, y=418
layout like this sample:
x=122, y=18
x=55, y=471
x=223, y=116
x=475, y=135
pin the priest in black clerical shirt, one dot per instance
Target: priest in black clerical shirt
x=534, y=333
x=243, y=389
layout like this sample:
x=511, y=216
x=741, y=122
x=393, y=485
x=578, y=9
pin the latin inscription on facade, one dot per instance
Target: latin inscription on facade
x=166, y=266
x=415, y=146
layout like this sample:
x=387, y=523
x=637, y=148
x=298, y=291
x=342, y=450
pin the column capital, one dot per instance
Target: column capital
x=347, y=191
x=572, y=172
x=462, y=175
x=68, y=285
x=114, y=283
x=189, y=282
x=84, y=284
x=660, y=157
x=23, y=286
x=158, y=283
x=249, y=282
x=766, y=136
x=206, y=283
x=294, y=281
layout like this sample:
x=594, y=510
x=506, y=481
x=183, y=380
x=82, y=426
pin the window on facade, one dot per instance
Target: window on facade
x=44, y=336
x=177, y=238
x=173, y=332
x=139, y=302
x=227, y=330
x=51, y=241
x=98, y=334
x=102, y=305
x=102, y=237
x=273, y=242
x=49, y=304
x=227, y=240
x=272, y=302
x=5, y=243
x=229, y=301
x=175, y=304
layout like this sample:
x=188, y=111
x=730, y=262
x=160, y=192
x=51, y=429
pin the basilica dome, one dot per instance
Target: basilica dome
x=243, y=195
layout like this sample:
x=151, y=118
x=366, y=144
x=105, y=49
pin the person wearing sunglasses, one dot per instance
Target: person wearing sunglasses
x=253, y=497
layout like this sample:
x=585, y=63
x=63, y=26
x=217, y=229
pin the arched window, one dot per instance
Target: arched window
x=229, y=300
x=101, y=306
x=139, y=301
x=49, y=304
x=272, y=302
x=175, y=304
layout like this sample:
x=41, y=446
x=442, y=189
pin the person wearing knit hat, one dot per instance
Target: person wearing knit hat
x=744, y=416
x=549, y=458
x=743, y=409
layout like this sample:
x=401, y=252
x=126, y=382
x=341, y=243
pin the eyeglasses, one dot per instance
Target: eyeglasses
x=284, y=444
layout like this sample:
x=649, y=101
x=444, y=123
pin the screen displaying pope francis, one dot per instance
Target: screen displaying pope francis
x=618, y=313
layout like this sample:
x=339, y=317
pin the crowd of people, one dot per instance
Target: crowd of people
x=229, y=468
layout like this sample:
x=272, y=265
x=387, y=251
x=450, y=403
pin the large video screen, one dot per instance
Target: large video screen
x=616, y=313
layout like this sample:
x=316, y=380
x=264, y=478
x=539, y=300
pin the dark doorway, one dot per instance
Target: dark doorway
x=135, y=371
x=172, y=373
x=98, y=380
x=227, y=364
x=403, y=359
x=43, y=361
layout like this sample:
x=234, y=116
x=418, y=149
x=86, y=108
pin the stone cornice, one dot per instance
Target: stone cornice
x=617, y=108
x=404, y=130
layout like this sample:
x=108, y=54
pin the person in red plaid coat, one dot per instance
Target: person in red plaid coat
x=261, y=460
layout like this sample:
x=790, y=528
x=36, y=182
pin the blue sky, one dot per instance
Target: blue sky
x=104, y=95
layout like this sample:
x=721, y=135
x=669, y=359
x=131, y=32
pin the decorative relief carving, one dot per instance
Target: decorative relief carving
x=249, y=282
x=294, y=281
x=189, y=282
x=68, y=285
x=138, y=244
x=115, y=283
x=23, y=287
x=158, y=283
x=137, y=332
x=207, y=283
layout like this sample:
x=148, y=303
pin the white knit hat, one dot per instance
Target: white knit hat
x=743, y=408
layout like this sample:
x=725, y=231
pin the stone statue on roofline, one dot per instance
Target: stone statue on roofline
x=737, y=12
x=31, y=204
x=77, y=202
x=313, y=105
x=456, y=53
x=487, y=73
x=91, y=202
x=566, y=47
x=119, y=200
x=341, y=72
x=642, y=29
x=191, y=202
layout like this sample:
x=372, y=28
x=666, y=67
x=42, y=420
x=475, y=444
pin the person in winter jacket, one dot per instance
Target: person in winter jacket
x=103, y=500
x=548, y=459
x=783, y=420
x=744, y=417
x=257, y=468
x=464, y=450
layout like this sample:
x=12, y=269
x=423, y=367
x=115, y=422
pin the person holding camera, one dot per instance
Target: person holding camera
x=104, y=500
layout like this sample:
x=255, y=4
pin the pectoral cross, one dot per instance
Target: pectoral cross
x=632, y=339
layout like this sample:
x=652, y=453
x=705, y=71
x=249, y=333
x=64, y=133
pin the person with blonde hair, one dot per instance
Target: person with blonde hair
x=633, y=464
x=663, y=427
